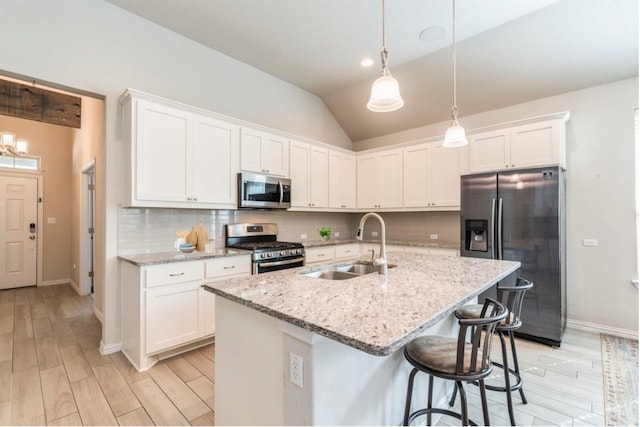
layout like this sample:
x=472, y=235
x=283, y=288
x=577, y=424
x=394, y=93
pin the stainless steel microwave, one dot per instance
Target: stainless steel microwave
x=257, y=191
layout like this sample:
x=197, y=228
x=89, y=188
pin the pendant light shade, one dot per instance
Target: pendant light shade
x=385, y=91
x=385, y=94
x=455, y=136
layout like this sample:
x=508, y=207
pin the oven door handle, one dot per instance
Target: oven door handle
x=277, y=263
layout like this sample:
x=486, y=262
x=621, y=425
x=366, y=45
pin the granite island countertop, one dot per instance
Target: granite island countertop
x=371, y=313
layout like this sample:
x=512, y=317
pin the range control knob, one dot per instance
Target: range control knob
x=283, y=253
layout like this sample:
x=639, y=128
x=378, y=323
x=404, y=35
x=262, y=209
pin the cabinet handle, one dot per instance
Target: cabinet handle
x=347, y=252
x=176, y=274
x=195, y=199
x=320, y=255
x=229, y=267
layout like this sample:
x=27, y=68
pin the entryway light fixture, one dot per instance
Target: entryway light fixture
x=455, y=136
x=385, y=92
x=10, y=146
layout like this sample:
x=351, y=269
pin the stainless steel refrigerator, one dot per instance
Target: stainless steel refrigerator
x=519, y=215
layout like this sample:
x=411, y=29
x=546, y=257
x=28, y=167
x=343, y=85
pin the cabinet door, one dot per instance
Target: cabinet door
x=208, y=304
x=445, y=175
x=275, y=155
x=347, y=251
x=342, y=180
x=299, y=158
x=318, y=168
x=161, y=150
x=367, y=182
x=214, y=161
x=251, y=150
x=173, y=315
x=390, y=179
x=417, y=176
x=536, y=144
x=489, y=151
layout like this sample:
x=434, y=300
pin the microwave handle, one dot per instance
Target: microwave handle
x=281, y=191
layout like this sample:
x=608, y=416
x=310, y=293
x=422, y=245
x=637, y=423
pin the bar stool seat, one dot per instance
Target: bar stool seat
x=511, y=297
x=453, y=358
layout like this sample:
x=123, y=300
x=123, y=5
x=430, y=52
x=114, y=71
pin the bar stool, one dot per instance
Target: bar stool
x=453, y=358
x=511, y=297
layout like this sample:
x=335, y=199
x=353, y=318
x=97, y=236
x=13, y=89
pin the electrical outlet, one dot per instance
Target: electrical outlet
x=337, y=234
x=589, y=242
x=374, y=234
x=296, y=369
x=433, y=236
x=303, y=236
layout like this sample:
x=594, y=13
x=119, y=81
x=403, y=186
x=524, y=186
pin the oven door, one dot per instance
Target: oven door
x=263, y=191
x=275, y=265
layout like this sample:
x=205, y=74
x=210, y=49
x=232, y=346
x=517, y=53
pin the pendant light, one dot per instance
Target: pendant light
x=385, y=91
x=455, y=136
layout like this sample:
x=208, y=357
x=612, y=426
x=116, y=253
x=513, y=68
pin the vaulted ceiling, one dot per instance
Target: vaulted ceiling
x=509, y=51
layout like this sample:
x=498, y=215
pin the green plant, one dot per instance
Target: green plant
x=325, y=232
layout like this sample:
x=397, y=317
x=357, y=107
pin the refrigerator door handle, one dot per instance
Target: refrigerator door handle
x=499, y=227
x=493, y=224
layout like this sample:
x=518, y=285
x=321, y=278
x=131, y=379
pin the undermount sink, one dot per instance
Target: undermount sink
x=344, y=271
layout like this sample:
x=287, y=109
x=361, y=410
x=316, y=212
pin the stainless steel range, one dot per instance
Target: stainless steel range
x=268, y=253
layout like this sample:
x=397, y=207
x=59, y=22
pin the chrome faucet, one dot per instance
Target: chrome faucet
x=380, y=262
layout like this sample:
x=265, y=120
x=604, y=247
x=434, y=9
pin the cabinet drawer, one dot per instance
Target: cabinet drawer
x=176, y=272
x=346, y=251
x=318, y=254
x=229, y=266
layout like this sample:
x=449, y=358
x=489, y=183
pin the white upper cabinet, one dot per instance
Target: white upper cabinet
x=262, y=152
x=379, y=182
x=309, y=181
x=432, y=176
x=342, y=180
x=174, y=157
x=527, y=145
x=214, y=161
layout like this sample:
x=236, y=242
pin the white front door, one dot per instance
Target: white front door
x=18, y=236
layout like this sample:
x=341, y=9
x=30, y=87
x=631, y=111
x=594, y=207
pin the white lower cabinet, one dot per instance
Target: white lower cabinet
x=348, y=250
x=165, y=308
x=319, y=254
x=173, y=315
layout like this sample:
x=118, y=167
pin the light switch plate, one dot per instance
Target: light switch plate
x=433, y=236
x=590, y=242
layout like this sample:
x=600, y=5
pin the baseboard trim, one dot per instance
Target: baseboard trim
x=98, y=315
x=602, y=329
x=109, y=348
x=56, y=282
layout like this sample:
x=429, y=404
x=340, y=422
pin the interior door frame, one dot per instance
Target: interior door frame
x=40, y=222
x=85, y=261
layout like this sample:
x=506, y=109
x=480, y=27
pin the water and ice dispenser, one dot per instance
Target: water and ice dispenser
x=476, y=232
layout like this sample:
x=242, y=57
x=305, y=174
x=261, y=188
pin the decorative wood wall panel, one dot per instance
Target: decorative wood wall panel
x=33, y=103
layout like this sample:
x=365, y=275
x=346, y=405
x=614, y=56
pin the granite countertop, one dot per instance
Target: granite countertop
x=415, y=243
x=370, y=313
x=175, y=256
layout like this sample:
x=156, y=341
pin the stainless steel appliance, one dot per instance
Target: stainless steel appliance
x=268, y=253
x=519, y=215
x=259, y=191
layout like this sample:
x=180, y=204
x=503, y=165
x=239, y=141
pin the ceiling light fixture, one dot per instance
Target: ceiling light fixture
x=455, y=136
x=10, y=146
x=385, y=91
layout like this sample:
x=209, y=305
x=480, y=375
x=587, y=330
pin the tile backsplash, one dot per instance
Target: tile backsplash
x=149, y=230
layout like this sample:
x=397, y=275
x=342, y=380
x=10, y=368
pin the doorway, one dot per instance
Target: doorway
x=19, y=228
x=87, y=220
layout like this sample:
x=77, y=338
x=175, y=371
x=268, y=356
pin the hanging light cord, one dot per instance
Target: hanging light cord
x=383, y=53
x=454, y=109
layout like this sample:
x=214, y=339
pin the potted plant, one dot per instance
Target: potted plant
x=325, y=232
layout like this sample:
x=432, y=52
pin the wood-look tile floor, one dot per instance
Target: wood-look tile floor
x=52, y=373
x=563, y=386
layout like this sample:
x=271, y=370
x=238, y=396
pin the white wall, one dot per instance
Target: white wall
x=600, y=195
x=94, y=46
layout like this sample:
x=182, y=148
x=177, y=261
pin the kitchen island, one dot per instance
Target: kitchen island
x=345, y=335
